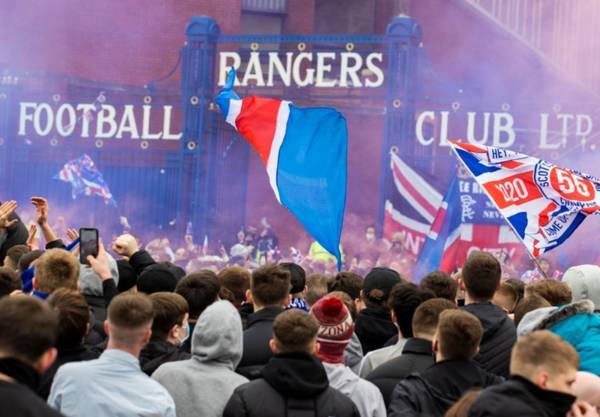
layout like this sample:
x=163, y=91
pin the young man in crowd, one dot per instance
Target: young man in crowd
x=505, y=297
x=293, y=382
x=432, y=392
x=316, y=288
x=27, y=335
x=13, y=255
x=481, y=277
x=269, y=293
x=9, y=281
x=441, y=284
x=55, y=269
x=201, y=386
x=335, y=332
x=543, y=368
x=298, y=281
x=114, y=384
x=73, y=326
x=200, y=289
x=169, y=331
x=417, y=353
x=404, y=300
x=374, y=325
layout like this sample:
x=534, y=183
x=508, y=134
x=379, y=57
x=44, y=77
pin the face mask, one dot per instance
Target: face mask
x=185, y=330
x=370, y=237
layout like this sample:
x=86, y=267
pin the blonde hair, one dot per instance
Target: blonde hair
x=55, y=269
x=542, y=349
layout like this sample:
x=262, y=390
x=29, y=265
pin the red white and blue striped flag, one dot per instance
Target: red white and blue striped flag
x=542, y=202
x=305, y=153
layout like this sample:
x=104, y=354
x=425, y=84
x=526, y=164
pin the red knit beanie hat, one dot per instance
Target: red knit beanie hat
x=335, y=328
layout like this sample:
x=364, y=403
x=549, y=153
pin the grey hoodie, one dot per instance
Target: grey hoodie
x=584, y=281
x=364, y=394
x=353, y=354
x=201, y=386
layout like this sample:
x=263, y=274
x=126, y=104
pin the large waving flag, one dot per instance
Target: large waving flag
x=542, y=202
x=85, y=178
x=305, y=153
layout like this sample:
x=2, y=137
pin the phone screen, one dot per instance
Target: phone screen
x=88, y=244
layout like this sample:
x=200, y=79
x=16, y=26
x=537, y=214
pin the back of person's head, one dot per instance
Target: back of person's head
x=377, y=287
x=546, y=360
x=294, y=331
x=584, y=281
x=348, y=302
x=28, y=331
x=270, y=286
x=441, y=284
x=335, y=328
x=55, y=269
x=527, y=304
x=404, y=300
x=519, y=287
x=427, y=315
x=458, y=335
x=316, y=288
x=200, y=289
x=348, y=282
x=463, y=405
x=506, y=297
x=170, y=313
x=297, y=277
x=13, y=255
x=27, y=259
x=9, y=281
x=129, y=320
x=555, y=292
x=235, y=281
x=156, y=278
x=481, y=275
x=73, y=317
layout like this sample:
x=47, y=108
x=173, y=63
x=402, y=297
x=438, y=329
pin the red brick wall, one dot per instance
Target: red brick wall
x=300, y=17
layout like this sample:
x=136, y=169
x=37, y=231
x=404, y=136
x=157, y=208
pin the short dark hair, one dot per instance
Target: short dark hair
x=404, y=300
x=519, y=287
x=459, y=334
x=506, y=289
x=294, y=330
x=481, y=274
x=169, y=309
x=348, y=282
x=316, y=288
x=527, y=304
x=235, y=281
x=9, y=281
x=555, y=292
x=441, y=284
x=15, y=253
x=130, y=311
x=297, y=276
x=27, y=327
x=27, y=259
x=427, y=315
x=200, y=289
x=73, y=317
x=270, y=285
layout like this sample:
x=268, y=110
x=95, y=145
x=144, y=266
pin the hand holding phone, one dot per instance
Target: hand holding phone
x=88, y=244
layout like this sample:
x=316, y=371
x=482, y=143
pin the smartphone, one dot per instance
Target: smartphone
x=88, y=244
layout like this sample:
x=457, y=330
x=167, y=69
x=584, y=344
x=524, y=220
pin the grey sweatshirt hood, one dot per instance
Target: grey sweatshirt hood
x=90, y=283
x=584, y=281
x=218, y=335
x=353, y=354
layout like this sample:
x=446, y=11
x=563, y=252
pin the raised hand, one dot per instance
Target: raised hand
x=99, y=264
x=72, y=234
x=125, y=245
x=32, y=241
x=6, y=209
x=41, y=207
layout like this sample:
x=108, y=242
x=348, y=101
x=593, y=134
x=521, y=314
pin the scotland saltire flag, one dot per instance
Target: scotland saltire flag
x=305, y=153
x=85, y=179
x=542, y=202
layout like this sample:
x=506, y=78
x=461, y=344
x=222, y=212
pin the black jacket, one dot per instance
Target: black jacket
x=78, y=354
x=18, y=398
x=416, y=357
x=292, y=384
x=259, y=330
x=157, y=352
x=432, y=393
x=499, y=336
x=140, y=261
x=16, y=234
x=519, y=397
x=374, y=327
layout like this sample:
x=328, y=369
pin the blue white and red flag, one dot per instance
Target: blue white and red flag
x=305, y=153
x=542, y=202
x=85, y=179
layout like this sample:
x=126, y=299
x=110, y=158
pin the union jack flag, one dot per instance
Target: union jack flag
x=542, y=202
x=85, y=179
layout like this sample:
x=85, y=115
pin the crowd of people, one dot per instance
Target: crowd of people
x=130, y=333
